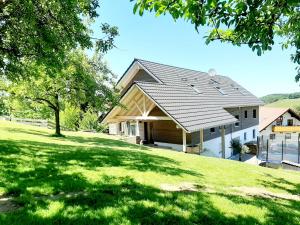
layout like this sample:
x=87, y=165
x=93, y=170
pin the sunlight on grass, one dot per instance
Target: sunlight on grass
x=51, y=210
x=88, y=178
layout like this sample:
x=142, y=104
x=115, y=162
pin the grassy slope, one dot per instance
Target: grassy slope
x=121, y=183
x=286, y=103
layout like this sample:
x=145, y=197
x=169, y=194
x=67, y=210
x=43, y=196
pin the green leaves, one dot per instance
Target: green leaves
x=45, y=31
x=242, y=22
x=82, y=82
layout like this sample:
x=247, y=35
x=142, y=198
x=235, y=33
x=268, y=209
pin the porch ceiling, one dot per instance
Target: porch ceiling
x=135, y=106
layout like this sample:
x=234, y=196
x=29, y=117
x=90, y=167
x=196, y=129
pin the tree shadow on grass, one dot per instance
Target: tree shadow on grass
x=33, y=171
x=279, y=211
x=29, y=164
x=280, y=184
x=125, y=201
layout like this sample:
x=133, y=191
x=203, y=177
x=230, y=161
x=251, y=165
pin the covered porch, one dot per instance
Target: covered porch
x=142, y=121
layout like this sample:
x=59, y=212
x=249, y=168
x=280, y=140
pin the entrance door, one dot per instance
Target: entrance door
x=151, y=141
x=145, y=133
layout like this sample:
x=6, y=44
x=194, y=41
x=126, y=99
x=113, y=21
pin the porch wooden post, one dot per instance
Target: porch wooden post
x=223, y=141
x=137, y=132
x=201, y=141
x=183, y=141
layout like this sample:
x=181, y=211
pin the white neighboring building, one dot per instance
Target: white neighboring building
x=275, y=122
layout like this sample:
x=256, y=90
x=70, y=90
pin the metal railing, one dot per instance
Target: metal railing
x=279, y=149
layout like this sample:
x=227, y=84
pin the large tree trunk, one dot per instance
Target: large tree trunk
x=57, y=123
x=57, y=119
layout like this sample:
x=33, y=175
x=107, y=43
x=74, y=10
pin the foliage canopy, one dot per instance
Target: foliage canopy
x=79, y=83
x=45, y=30
x=255, y=23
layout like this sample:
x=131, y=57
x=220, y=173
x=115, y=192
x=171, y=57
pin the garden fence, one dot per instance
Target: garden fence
x=279, y=149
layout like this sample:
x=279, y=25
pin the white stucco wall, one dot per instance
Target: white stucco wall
x=215, y=146
x=113, y=128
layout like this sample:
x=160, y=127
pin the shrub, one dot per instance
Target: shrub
x=236, y=146
x=245, y=149
x=70, y=117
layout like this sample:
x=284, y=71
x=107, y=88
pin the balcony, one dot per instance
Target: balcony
x=286, y=129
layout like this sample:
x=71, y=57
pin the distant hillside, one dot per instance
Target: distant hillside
x=276, y=97
x=286, y=103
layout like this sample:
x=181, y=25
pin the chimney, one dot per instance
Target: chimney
x=212, y=72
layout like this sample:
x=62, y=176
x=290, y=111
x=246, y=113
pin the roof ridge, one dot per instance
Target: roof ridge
x=178, y=67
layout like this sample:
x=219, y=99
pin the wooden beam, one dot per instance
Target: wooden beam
x=183, y=141
x=144, y=104
x=152, y=105
x=143, y=118
x=137, y=132
x=201, y=141
x=138, y=107
x=223, y=141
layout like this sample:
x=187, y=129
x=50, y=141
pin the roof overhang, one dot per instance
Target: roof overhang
x=131, y=71
x=113, y=112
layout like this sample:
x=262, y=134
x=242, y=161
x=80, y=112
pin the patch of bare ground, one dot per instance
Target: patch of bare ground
x=261, y=192
x=184, y=187
x=8, y=205
x=241, y=191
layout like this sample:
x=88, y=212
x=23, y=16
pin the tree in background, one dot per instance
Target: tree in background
x=90, y=121
x=70, y=116
x=254, y=23
x=78, y=83
x=45, y=31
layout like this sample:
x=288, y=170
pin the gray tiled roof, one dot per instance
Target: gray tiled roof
x=191, y=109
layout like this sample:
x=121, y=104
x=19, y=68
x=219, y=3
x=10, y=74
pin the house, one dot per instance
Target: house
x=183, y=109
x=278, y=123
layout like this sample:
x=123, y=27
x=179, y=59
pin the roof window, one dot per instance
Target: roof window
x=213, y=81
x=195, y=89
x=221, y=90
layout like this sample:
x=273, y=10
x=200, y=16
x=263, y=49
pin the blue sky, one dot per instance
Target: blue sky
x=160, y=39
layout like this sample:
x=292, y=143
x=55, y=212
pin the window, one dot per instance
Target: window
x=245, y=136
x=237, y=124
x=195, y=89
x=132, y=129
x=254, y=113
x=212, y=81
x=212, y=130
x=288, y=136
x=290, y=122
x=246, y=114
x=272, y=136
x=221, y=90
x=279, y=121
x=254, y=133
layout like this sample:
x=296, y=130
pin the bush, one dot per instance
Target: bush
x=70, y=117
x=236, y=146
x=89, y=121
x=245, y=149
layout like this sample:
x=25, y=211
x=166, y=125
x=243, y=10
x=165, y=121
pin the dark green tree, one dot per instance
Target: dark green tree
x=255, y=23
x=43, y=31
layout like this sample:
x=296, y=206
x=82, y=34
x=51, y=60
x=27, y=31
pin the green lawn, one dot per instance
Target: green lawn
x=96, y=179
x=286, y=103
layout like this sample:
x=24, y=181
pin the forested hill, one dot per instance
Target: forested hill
x=276, y=97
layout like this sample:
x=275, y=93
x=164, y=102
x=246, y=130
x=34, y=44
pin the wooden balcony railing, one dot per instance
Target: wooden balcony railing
x=288, y=129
